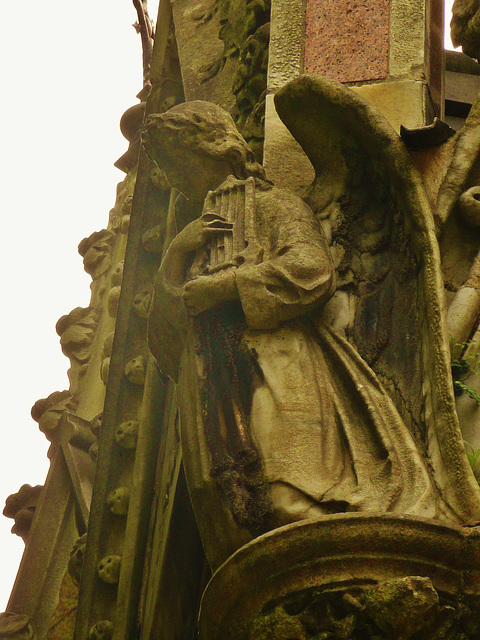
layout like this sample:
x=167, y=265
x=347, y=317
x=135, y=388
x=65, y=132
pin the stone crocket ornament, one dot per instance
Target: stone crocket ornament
x=307, y=340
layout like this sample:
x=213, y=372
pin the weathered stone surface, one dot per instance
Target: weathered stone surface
x=347, y=40
x=63, y=620
x=287, y=36
x=202, y=71
x=407, y=39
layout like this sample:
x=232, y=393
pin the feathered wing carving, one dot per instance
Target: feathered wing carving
x=370, y=200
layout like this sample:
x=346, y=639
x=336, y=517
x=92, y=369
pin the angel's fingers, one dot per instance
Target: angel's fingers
x=211, y=216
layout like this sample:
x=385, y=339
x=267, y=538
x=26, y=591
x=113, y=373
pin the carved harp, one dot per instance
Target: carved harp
x=226, y=363
x=234, y=200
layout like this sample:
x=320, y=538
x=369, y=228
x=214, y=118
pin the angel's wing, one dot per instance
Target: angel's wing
x=458, y=219
x=389, y=302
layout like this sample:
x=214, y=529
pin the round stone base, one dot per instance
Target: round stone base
x=348, y=576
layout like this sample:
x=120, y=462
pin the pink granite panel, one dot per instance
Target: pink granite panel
x=347, y=39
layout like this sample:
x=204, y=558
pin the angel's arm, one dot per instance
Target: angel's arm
x=297, y=273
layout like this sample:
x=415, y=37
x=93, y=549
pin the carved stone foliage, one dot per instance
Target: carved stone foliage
x=21, y=507
x=48, y=411
x=16, y=626
x=245, y=32
x=465, y=27
x=95, y=251
x=76, y=331
x=250, y=88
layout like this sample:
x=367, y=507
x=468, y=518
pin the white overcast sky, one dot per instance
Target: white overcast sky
x=69, y=72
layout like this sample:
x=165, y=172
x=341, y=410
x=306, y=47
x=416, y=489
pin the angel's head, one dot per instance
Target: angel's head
x=197, y=145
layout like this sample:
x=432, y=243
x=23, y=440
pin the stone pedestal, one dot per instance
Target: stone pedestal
x=348, y=576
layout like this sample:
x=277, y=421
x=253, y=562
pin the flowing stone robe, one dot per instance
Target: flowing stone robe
x=328, y=434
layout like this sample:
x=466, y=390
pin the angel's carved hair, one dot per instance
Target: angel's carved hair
x=206, y=129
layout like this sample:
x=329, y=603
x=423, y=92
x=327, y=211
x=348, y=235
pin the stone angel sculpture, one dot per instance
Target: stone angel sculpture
x=307, y=340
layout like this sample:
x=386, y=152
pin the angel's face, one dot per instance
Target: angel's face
x=190, y=170
x=194, y=174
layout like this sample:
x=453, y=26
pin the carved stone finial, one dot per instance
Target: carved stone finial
x=130, y=126
x=21, y=507
x=48, y=411
x=76, y=331
x=16, y=626
x=95, y=251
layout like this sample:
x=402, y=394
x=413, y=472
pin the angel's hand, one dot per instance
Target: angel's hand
x=206, y=292
x=196, y=234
